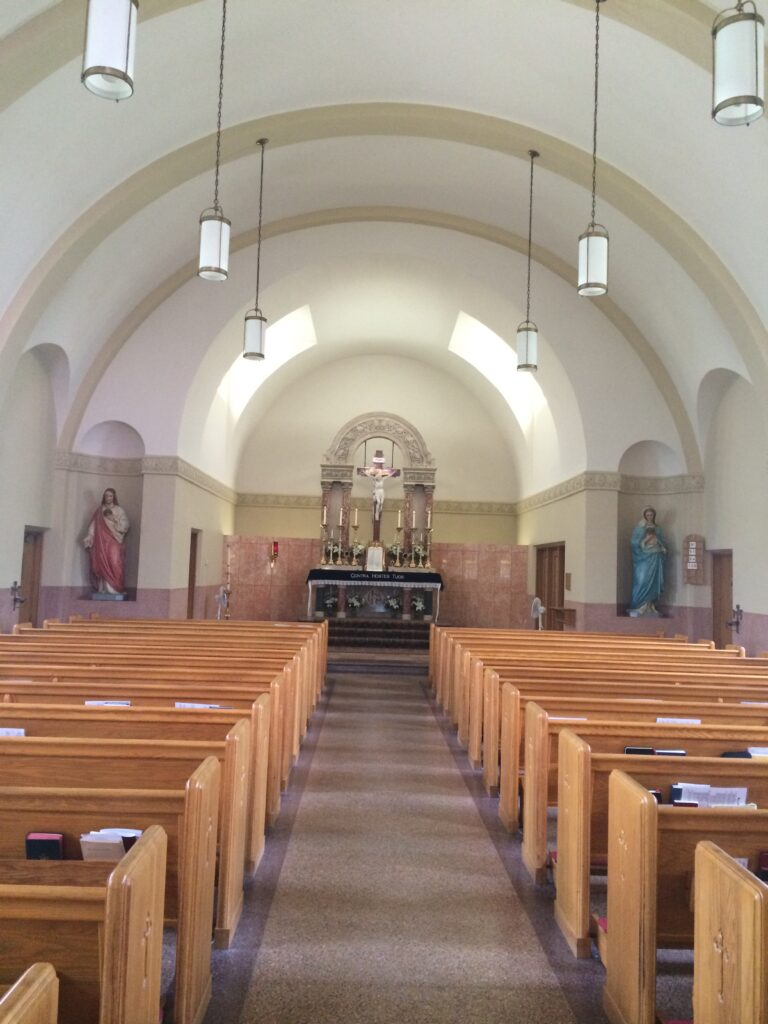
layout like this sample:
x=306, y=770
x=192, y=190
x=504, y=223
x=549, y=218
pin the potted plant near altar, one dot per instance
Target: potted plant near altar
x=418, y=606
x=354, y=604
x=356, y=550
x=392, y=604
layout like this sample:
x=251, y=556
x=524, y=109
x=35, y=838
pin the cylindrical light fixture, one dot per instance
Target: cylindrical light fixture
x=110, y=44
x=593, y=261
x=214, y=245
x=255, y=335
x=213, y=262
x=738, y=65
x=593, y=243
x=527, y=331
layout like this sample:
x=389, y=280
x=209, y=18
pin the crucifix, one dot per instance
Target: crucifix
x=378, y=473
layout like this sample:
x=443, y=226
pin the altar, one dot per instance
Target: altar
x=348, y=590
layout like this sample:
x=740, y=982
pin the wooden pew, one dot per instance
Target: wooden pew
x=544, y=736
x=187, y=814
x=596, y=706
x=161, y=724
x=145, y=764
x=100, y=925
x=165, y=695
x=33, y=998
x=582, y=824
x=650, y=869
x=711, y=691
x=730, y=971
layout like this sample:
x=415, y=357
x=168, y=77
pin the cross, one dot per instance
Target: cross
x=378, y=472
x=725, y=957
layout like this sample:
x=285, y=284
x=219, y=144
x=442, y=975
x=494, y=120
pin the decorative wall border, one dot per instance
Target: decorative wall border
x=599, y=481
x=149, y=465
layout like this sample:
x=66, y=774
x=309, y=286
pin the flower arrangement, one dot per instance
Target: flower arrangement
x=354, y=602
x=418, y=604
x=392, y=603
x=331, y=599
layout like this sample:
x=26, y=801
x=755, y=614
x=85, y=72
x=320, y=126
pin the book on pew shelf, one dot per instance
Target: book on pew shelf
x=703, y=795
x=757, y=751
x=45, y=846
x=678, y=721
x=128, y=835
x=8, y=731
x=638, y=750
x=671, y=753
x=107, y=703
x=736, y=753
x=755, y=703
x=101, y=846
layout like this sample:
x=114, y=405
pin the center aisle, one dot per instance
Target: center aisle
x=392, y=903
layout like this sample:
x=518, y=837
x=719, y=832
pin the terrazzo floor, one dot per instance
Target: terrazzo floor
x=389, y=892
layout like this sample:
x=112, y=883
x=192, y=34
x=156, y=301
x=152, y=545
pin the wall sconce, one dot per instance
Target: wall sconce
x=16, y=597
x=735, y=622
x=274, y=552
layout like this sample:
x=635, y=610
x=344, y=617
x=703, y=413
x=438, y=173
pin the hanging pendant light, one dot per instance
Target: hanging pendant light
x=110, y=43
x=255, y=337
x=738, y=65
x=214, y=226
x=527, y=331
x=593, y=243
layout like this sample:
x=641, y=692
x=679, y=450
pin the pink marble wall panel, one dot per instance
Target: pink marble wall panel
x=7, y=615
x=695, y=623
x=753, y=634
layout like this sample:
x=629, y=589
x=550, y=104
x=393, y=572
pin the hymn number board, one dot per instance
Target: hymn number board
x=693, y=559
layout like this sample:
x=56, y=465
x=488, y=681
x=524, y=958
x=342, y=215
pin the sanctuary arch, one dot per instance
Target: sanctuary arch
x=337, y=474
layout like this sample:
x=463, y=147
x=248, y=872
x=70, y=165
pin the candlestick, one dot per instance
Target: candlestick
x=398, y=563
x=354, y=541
x=322, y=546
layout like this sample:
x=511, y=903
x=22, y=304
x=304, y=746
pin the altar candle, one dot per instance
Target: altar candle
x=229, y=555
x=413, y=520
x=399, y=518
x=429, y=517
x=355, y=517
x=341, y=516
x=325, y=515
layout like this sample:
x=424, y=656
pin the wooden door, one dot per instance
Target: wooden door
x=722, y=597
x=193, y=538
x=31, y=566
x=550, y=583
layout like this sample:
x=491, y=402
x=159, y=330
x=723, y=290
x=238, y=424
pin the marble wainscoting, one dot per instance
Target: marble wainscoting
x=8, y=617
x=753, y=634
x=486, y=585
x=695, y=623
x=261, y=590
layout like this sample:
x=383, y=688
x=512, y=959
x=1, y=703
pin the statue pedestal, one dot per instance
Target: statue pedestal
x=636, y=614
x=97, y=596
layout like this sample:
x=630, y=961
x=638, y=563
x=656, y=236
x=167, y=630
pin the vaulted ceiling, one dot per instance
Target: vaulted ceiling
x=396, y=214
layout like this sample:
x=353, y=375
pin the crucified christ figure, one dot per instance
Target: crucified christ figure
x=378, y=473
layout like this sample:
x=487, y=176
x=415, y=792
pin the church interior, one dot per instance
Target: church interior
x=407, y=190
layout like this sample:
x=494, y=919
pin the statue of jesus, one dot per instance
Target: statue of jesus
x=378, y=472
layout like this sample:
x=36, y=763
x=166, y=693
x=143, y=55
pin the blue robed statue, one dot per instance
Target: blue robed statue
x=649, y=553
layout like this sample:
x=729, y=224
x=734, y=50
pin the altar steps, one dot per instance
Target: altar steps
x=378, y=633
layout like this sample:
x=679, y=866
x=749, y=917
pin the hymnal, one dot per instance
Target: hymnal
x=107, y=703
x=100, y=846
x=736, y=753
x=128, y=835
x=678, y=721
x=638, y=750
x=671, y=753
x=45, y=846
x=5, y=731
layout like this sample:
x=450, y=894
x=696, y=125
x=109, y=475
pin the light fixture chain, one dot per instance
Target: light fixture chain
x=262, y=143
x=221, y=98
x=594, y=122
x=532, y=154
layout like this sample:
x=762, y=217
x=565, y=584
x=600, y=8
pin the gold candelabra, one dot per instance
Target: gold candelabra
x=339, y=559
x=355, y=528
x=323, y=560
x=398, y=563
x=428, y=563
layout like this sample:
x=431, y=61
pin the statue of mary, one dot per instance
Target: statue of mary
x=649, y=553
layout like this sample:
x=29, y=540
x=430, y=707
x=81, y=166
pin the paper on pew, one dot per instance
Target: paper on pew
x=712, y=796
x=678, y=721
x=107, y=703
x=12, y=732
x=755, y=703
x=205, y=707
x=758, y=751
